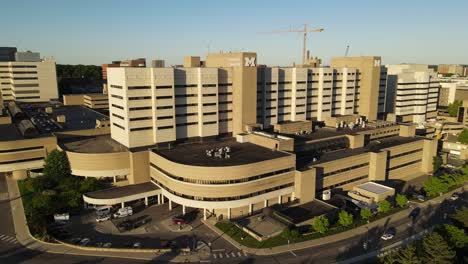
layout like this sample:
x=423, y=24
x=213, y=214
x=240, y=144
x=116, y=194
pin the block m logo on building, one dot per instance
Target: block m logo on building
x=376, y=63
x=249, y=62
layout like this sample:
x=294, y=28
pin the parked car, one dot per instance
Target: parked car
x=137, y=245
x=123, y=212
x=61, y=217
x=420, y=197
x=107, y=245
x=102, y=210
x=387, y=236
x=179, y=220
x=454, y=197
x=103, y=217
x=84, y=241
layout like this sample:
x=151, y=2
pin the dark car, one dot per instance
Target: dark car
x=179, y=220
x=415, y=212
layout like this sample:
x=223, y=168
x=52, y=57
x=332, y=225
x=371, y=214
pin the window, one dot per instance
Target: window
x=163, y=117
x=163, y=86
x=164, y=107
x=140, y=108
x=164, y=97
x=141, y=128
x=209, y=104
x=116, y=86
x=187, y=124
x=141, y=118
x=209, y=85
x=139, y=87
x=165, y=127
x=117, y=106
x=117, y=96
x=209, y=95
x=118, y=116
x=210, y=122
x=209, y=113
x=119, y=126
x=139, y=98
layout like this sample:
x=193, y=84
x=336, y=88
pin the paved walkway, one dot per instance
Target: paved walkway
x=328, y=239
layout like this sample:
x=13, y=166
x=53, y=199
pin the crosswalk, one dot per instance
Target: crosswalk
x=225, y=255
x=8, y=239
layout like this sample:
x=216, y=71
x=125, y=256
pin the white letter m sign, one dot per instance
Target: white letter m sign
x=249, y=62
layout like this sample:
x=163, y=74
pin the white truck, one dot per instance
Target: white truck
x=123, y=212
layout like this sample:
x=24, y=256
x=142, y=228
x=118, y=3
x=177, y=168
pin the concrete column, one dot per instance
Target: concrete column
x=293, y=196
x=159, y=198
x=250, y=208
x=183, y=209
x=229, y=213
x=279, y=199
x=170, y=205
x=146, y=201
x=162, y=199
x=123, y=204
x=115, y=179
x=204, y=213
x=265, y=203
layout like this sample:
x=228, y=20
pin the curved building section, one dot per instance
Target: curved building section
x=249, y=177
x=96, y=156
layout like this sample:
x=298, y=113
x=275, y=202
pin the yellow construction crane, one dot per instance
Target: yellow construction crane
x=304, y=31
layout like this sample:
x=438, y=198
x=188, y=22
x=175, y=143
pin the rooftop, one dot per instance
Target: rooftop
x=76, y=117
x=303, y=162
x=304, y=212
x=374, y=187
x=96, y=144
x=9, y=132
x=241, y=153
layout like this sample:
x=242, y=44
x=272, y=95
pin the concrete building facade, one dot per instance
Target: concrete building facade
x=28, y=81
x=412, y=91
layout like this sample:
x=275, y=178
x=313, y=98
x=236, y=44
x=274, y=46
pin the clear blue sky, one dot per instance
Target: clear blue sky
x=98, y=31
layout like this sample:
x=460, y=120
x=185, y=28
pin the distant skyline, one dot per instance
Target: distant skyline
x=96, y=32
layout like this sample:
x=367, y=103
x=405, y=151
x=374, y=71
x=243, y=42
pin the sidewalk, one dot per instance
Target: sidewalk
x=28, y=241
x=328, y=239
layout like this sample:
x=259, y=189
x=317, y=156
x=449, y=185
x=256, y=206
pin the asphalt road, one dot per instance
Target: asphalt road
x=330, y=253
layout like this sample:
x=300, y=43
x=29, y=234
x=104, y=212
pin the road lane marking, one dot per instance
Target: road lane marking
x=2, y=236
x=214, y=256
x=220, y=255
x=227, y=255
x=216, y=250
x=294, y=254
x=245, y=254
x=238, y=253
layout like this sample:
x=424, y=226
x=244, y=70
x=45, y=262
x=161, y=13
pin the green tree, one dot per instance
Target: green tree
x=407, y=255
x=384, y=206
x=390, y=257
x=461, y=216
x=436, y=163
x=455, y=236
x=435, y=185
x=286, y=232
x=435, y=250
x=453, y=108
x=366, y=213
x=321, y=224
x=56, y=166
x=345, y=218
x=401, y=200
x=463, y=136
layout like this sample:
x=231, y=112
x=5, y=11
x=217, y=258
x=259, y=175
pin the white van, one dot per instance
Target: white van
x=123, y=212
x=103, y=210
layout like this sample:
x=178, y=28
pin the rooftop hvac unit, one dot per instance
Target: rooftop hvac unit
x=326, y=195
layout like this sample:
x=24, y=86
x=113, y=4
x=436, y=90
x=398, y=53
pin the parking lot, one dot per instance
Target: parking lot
x=150, y=227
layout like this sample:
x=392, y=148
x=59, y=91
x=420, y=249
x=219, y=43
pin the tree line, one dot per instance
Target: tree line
x=79, y=71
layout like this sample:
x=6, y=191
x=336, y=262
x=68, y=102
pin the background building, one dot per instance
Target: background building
x=7, y=54
x=29, y=79
x=452, y=69
x=412, y=92
x=452, y=89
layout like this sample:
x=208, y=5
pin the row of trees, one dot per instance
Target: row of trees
x=441, y=184
x=79, y=71
x=453, y=108
x=444, y=246
x=322, y=224
x=57, y=191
